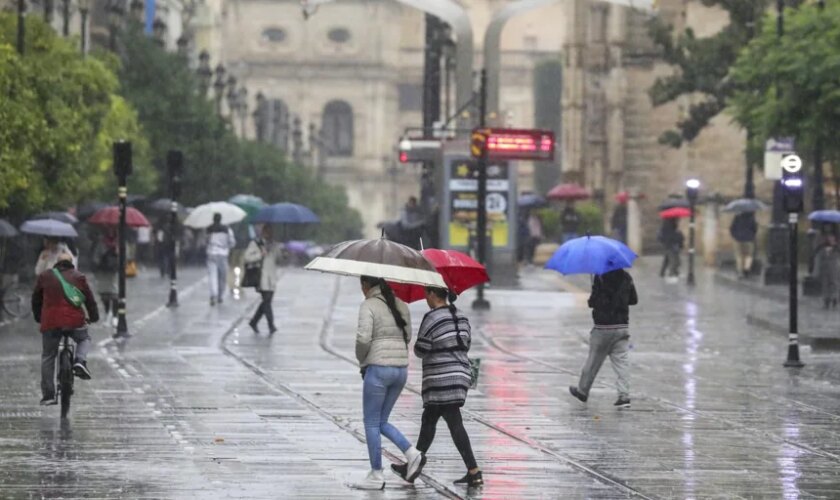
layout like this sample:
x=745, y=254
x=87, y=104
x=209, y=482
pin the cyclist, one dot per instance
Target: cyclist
x=57, y=317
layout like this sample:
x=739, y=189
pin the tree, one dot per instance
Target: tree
x=788, y=86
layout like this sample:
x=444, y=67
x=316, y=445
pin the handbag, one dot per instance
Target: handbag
x=73, y=295
x=475, y=363
x=253, y=273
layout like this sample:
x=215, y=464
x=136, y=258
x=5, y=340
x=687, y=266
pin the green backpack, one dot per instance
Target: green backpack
x=73, y=295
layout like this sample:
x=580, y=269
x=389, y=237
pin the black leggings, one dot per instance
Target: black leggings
x=265, y=309
x=452, y=415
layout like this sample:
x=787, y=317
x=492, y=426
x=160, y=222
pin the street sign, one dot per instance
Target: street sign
x=775, y=150
x=499, y=144
x=792, y=163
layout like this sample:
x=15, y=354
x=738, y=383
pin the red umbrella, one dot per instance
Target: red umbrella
x=568, y=192
x=110, y=216
x=459, y=271
x=675, y=213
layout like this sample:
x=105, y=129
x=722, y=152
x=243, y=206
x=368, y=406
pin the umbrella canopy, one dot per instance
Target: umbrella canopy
x=379, y=258
x=7, y=230
x=460, y=272
x=742, y=205
x=165, y=205
x=49, y=227
x=248, y=202
x=202, y=215
x=591, y=255
x=285, y=213
x=674, y=203
x=568, y=192
x=531, y=200
x=675, y=213
x=832, y=216
x=59, y=216
x=90, y=208
x=110, y=216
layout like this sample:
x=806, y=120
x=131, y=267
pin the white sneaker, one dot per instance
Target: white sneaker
x=375, y=480
x=415, y=459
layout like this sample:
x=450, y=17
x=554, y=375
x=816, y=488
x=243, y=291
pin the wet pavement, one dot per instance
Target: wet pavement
x=196, y=405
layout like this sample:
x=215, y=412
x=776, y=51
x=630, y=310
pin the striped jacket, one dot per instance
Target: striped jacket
x=446, y=367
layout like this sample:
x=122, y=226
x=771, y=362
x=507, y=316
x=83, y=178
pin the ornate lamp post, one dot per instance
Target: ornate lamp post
x=219, y=87
x=122, y=169
x=205, y=74
x=231, y=96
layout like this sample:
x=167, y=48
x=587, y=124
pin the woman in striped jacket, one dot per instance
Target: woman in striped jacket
x=442, y=343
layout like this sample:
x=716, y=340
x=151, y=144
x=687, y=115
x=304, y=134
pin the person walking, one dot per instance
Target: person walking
x=57, y=316
x=672, y=241
x=827, y=268
x=443, y=342
x=535, y=236
x=382, y=337
x=743, y=230
x=264, y=250
x=618, y=222
x=220, y=240
x=612, y=295
x=53, y=249
x=105, y=273
x=570, y=221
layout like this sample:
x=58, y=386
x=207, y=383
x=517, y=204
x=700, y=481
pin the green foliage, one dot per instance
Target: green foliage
x=218, y=165
x=592, y=220
x=702, y=66
x=803, y=66
x=547, y=115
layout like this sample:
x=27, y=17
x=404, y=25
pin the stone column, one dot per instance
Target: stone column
x=711, y=214
x=634, y=222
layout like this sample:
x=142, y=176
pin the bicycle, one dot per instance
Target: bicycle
x=64, y=387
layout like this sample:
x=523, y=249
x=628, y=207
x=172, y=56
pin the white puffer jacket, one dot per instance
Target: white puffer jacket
x=379, y=341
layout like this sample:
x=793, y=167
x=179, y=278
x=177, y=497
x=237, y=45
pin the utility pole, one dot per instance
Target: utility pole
x=480, y=303
x=431, y=110
x=122, y=168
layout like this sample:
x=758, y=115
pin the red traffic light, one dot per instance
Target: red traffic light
x=403, y=157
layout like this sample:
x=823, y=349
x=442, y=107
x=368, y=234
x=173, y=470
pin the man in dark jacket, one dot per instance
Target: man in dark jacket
x=743, y=231
x=57, y=317
x=612, y=295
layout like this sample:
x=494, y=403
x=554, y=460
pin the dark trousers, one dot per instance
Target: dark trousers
x=50, y=342
x=452, y=415
x=265, y=309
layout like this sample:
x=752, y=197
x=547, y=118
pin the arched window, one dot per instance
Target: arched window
x=338, y=128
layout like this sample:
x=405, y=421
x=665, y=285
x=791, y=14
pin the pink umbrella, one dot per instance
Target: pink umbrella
x=110, y=216
x=568, y=192
x=675, y=213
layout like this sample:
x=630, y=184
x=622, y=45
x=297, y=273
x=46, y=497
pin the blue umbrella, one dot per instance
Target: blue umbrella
x=284, y=213
x=591, y=255
x=49, y=227
x=832, y=216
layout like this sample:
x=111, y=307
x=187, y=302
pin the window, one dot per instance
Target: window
x=411, y=96
x=339, y=35
x=274, y=35
x=337, y=124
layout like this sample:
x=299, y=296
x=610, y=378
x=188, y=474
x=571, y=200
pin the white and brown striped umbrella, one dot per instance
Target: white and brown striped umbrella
x=380, y=258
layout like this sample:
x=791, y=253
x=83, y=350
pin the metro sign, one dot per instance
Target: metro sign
x=513, y=144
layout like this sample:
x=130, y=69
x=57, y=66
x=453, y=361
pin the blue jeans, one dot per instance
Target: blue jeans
x=382, y=387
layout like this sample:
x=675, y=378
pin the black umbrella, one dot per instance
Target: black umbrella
x=165, y=205
x=7, y=230
x=90, y=208
x=531, y=200
x=674, y=203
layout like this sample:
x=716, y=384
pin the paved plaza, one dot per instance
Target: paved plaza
x=197, y=406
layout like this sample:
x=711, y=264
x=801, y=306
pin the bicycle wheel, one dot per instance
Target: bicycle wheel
x=65, y=380
x=16, y=300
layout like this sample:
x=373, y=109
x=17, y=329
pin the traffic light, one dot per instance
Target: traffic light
x=418, y=150
x=793, y=185
x=175, y=164
x=122, y=158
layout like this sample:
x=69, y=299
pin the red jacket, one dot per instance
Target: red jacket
x=51, y=308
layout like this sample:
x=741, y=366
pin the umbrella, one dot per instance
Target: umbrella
x=674, y=203
x=248, y=202
x=591, y=255
x=832, y=216
x=675, y=213
x=531, y=200
x=49, y=227
x=460, y=272
x=379, y=258
x=110, y=216
x=568, y=192
x=59, y=216
x=742, y=205
x=202, y=215
x=90, y=208
x=285, y=213
x=165, y=205
x=7, y=230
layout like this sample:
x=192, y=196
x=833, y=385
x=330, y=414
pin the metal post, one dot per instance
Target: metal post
x=480, y=303
x=65, y=21
x=21, y=26
x=691, y=249
x=175, y=162
x=793, y=360
x=84, y=15
x=122, y=166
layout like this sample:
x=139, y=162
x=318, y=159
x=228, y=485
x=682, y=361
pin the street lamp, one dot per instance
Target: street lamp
x=219, y=87
x=175, y=165
x=205, y=74
x=122, y=169
x=231, y=95
x=692, y=188
x=793, y=203
x=84, y=9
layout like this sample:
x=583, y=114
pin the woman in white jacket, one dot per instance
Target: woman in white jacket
x=264, y=249
x=382, y=350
